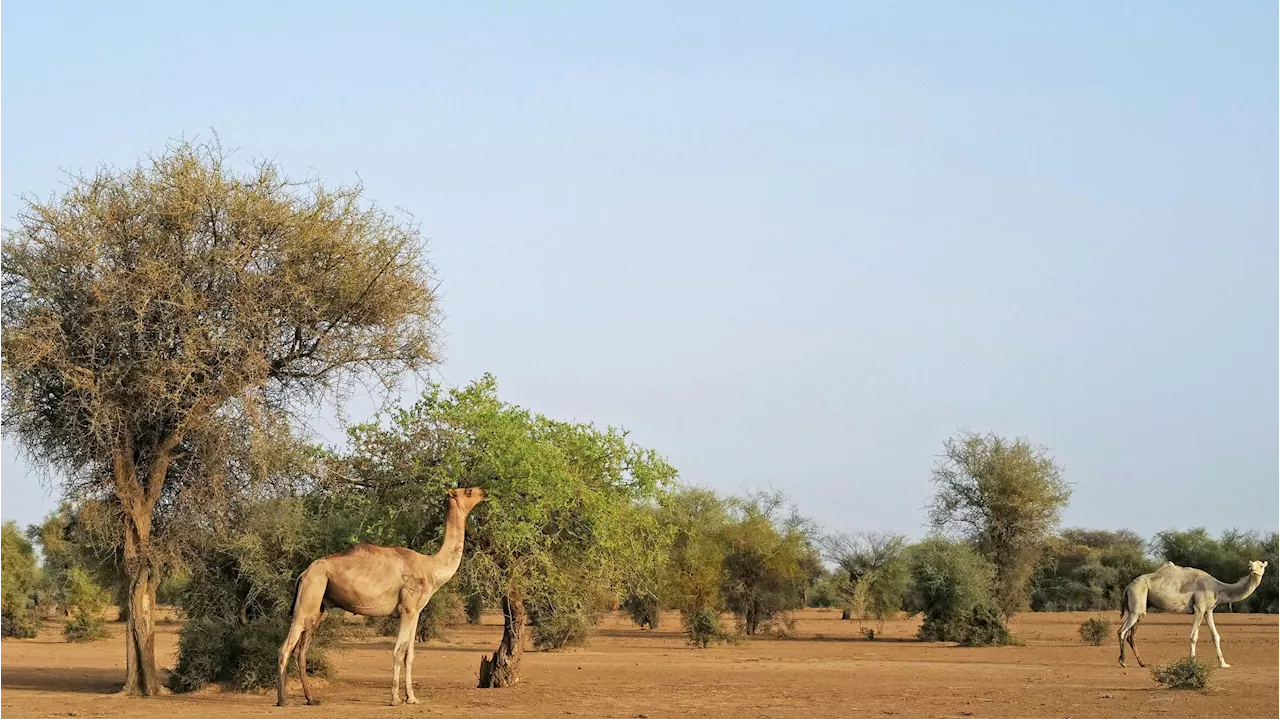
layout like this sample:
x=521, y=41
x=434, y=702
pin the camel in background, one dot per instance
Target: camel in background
x=375, y=581
x=1178, y=589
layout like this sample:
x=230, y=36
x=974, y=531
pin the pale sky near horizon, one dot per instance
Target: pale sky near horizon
x=794, y=246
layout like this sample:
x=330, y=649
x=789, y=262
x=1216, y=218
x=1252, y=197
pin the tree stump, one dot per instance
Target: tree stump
x=502, y=669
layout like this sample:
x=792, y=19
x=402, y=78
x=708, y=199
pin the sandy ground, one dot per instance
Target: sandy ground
x=828, y=669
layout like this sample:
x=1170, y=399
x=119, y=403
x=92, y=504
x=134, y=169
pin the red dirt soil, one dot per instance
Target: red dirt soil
x=827, y=669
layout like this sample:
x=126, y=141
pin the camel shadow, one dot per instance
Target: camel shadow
x=640, y=633
x=388, y=646
x=84, y=680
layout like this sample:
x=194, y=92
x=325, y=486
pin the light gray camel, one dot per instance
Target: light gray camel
x=376, y=581
x=1178, y=589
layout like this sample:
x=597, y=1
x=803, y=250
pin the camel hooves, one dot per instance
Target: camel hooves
x=314, y=702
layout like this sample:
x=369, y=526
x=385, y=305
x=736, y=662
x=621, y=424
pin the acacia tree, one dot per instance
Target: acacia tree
x=568, y=515
x=769, y=559
x=876, y=577
x=148, y=310
x=1004, y=496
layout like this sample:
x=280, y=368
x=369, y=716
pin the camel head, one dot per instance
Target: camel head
x=1257, y=568
x=466, y=498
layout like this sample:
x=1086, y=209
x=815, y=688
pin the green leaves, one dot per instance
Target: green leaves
x=1004, y=496
x=562, y=495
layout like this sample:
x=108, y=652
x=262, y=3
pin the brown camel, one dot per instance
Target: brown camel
x=376, y=581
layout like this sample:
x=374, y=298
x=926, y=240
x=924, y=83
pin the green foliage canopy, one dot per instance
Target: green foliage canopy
x=1005, y=497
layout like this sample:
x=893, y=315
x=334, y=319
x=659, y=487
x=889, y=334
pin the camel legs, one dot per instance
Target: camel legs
x=404, y=645
x=1217, y=641
x=410, y=697
x=1195, y=629
x=1127, y=629
x=300, y=632
x=308, y=610
x=303, y=647
x=286, y=650
x=1134, y=647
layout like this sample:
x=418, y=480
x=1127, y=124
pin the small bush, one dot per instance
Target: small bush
x=869, y=634
x=704, y=628
x=952, y=584
x=1190, y=673
x=643, y=610
x=20, y=577
x=981, y=627
x=242, y=657
x=85, y=601
x=444, y=611
x=825, y=593
x=1095, y=631
x=986, y=628
x=19, y=625
x=85, y=628
x=782, y=625
x=172, y=587
x=475, y=607
x=563, y=627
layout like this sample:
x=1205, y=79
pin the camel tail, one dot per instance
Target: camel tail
x=297, y=587
x=1124, y=603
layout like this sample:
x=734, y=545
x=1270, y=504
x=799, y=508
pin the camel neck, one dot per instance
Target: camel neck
x=1229, y=593
x=455, y=528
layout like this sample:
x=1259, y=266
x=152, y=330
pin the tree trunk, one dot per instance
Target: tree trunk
x=503, y=668
x=122, y=599
x=846, y=614
x=475, y=606
x=141, y=676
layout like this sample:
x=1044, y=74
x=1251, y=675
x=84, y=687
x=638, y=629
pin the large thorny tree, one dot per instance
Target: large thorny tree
x=1004, y=496
x=148, y=311
x=568, y=522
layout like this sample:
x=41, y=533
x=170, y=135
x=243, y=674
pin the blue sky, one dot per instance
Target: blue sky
x=797, y=246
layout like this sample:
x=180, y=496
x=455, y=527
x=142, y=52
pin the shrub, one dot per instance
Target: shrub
x=475, y=607
x=1095, y=631
x=643, y=610
x=444, y=611
x=825, y=592
x=242, y=657
x=985, y=627
x=564, y=629
x=19, y=625
x=869, y=634
x=84, y=600
x=564, y=625
x=85, y=628
x=1190, y=673
x=704, y=628
x=952, y=584
x=172, y=587
x=18, y=580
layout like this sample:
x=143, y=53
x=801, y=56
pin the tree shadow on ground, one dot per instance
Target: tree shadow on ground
x=88, y=680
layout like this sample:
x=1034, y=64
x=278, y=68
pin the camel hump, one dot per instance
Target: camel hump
x=356, y=550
